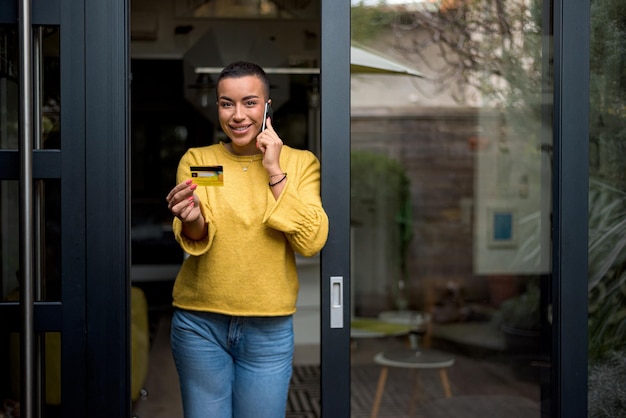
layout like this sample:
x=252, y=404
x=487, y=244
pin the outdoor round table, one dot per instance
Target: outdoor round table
x=415, y=360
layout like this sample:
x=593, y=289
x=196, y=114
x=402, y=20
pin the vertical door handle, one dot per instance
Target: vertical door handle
x=39, y=221
x=336, y=302
x=27, y=308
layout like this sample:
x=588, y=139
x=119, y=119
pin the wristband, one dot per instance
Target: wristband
x=279, y=181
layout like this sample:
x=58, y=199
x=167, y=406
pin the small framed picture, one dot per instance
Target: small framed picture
x=501, y=228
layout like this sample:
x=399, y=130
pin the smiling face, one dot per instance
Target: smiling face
x=241, y=103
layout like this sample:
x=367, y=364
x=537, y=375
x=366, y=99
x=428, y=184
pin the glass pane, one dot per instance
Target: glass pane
x=47, y=193
x=607, y=208
x=182, y=113
x=47, y=210
x=9, y=88
x=248, y=9
x=47, y=54
x=48, y=238
x=450, y=196
x=51, y=87
x=9, y=247
x=10, y=377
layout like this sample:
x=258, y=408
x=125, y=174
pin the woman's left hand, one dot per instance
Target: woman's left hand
x=270, y=145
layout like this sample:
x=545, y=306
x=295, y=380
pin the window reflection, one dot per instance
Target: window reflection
x=49, y=76
x=48, y=267
x=10, y=377
x=453, y=261
x=9, y=230
x=47, y=207
x=49, y=239
x=607, y=208
x=257, y=9
x=51, y=87
x=9, y=88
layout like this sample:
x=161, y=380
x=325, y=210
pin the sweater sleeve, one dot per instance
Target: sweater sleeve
x=193, y=247
x=298, y=212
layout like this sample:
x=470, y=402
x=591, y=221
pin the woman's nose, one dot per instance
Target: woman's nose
x=239, y=114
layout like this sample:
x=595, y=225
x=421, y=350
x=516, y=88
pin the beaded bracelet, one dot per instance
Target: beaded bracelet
x=279, y=181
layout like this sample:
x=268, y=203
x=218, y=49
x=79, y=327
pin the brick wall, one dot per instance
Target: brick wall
x=435, y=148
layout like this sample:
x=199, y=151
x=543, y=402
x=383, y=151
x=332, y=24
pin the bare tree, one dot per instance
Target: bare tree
x=490, y=48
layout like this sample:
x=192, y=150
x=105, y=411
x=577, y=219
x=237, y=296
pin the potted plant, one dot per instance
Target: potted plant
x=607, y=380
x=520, y=320
x=381, y=211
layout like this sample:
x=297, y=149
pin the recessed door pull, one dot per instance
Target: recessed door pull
x=336, y=301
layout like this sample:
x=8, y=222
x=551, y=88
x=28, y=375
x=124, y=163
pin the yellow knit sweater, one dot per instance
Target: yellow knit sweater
x=245, y=266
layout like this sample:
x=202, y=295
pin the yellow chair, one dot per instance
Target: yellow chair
x=140, y=346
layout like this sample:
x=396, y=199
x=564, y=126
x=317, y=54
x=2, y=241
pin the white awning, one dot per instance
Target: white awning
x=368, y=62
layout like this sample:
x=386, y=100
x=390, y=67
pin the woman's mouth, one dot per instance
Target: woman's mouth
x=240, y=128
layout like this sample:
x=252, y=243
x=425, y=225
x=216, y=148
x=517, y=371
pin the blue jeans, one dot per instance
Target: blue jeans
x=232, y=367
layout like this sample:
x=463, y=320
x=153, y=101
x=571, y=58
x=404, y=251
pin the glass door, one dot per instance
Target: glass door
x=32, y=297
x=451, y=208
x=177, y=50
x=63, y=212
x=451, y=203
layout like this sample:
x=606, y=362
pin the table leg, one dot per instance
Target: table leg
x=382, y=379
x=443, y=374
x=415, y=395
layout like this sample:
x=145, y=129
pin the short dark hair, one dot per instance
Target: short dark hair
x=243, y=69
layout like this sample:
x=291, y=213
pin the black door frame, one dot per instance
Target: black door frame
x=93, y=168
x=335, y=160
x=570, y=127
x=94, y=171
x=107, y=196
x=572, y=21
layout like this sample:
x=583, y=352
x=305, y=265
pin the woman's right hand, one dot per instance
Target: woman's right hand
x=183, y=202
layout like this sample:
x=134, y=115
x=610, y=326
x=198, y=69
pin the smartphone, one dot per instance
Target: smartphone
x=266, y=113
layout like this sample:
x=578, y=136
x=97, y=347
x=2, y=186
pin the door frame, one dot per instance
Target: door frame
x=93, y=167
x=335, y=160
x=95, y=183
x=570, y=132
x=107, y=196
x=570, y=129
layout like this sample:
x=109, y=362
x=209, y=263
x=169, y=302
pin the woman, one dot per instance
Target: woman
x=234, y=297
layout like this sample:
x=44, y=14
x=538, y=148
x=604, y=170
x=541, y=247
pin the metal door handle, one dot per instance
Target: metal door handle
x=336, y=302
x=27, y=308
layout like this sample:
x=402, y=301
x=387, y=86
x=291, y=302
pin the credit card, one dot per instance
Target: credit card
x=208, y=176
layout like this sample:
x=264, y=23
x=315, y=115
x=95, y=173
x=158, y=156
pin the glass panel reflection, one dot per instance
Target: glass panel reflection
x=9, y=233
x=48, y=212
x=48, y=262
x=9, y=88
x=450, y=210
x=10, y=377
x=607, y=209
x=50, y=87
x=244, y=9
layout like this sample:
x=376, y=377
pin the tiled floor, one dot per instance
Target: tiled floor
x=477, y=378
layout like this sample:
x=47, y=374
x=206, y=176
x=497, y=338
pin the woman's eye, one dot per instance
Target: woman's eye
x=251, y=103
x=225, y=104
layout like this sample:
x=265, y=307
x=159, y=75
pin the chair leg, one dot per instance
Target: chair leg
x=443, y=374
x=382, y=379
